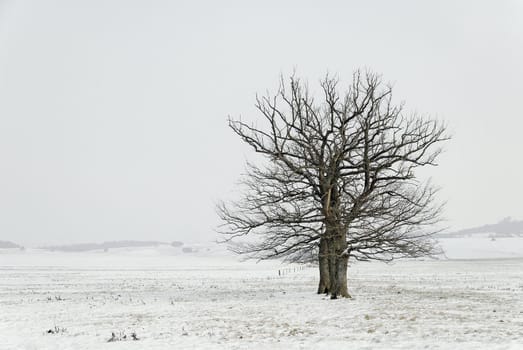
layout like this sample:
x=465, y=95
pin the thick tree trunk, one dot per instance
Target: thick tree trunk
x=339, y=269
x=332, y=270
x=323, y=259
x=336, y=245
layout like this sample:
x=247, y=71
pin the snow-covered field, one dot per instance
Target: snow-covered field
x=208, y=301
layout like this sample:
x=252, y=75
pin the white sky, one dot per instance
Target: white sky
x=113, y=113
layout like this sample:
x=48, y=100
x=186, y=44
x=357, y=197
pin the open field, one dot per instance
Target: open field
x=207, y=302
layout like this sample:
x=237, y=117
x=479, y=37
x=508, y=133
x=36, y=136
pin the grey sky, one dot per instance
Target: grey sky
x=113, y=113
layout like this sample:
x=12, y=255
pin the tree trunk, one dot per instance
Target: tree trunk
x=340, y=256
x=336, y=239
x=323, y=259
x=341, y=268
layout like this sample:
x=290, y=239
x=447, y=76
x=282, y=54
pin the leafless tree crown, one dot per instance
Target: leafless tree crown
x=339, y=166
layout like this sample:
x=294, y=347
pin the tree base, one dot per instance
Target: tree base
x=343, y=295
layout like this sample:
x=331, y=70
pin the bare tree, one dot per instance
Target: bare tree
x=338, y=179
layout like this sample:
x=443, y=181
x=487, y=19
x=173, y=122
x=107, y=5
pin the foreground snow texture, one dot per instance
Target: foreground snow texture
x=207, y=302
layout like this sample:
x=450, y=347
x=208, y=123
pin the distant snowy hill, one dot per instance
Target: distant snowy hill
x=492, y=241
x=83, y=247
x=8, y=244
x=482, y=247
x=505, y=228
x=140, y=248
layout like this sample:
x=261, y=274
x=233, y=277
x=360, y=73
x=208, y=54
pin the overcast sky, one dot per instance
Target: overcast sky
x=113, y=113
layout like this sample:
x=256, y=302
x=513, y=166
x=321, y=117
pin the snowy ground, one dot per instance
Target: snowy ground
x=207, y=302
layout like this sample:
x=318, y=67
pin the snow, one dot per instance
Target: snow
x=210, y=300
x=482, y=247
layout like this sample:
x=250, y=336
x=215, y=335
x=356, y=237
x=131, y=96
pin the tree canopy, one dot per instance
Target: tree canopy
x=338, y=178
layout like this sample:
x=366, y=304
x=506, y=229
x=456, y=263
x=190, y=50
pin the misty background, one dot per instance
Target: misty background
x=113, y=114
